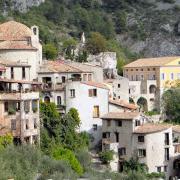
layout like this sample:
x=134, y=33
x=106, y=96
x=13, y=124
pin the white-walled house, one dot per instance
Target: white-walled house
x=91, y=101
x=130, y=134
x=20, y=44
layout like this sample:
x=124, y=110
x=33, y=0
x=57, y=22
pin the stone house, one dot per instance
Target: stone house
x=130, y=134
x=148, y=78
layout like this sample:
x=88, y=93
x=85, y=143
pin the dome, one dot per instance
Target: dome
x=13, y=30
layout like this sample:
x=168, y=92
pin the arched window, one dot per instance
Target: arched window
x=152, y=89
x=46, y=99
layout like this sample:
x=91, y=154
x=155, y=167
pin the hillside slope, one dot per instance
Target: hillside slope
x=147, y=27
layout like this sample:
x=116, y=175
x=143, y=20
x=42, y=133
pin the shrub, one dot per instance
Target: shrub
x=50, y=51
x=5, y=140
x=106, y=156
x=60, y=153
x=11, y=111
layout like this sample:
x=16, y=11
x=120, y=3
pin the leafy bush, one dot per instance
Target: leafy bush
x=156, y=175
x=50, y=51
x=5, y=141
x=106, y=156
x=60, y=153
x=11, y=111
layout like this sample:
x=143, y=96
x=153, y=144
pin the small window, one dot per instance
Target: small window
x=72, y=93
x=122, y=151
x=141, y=69
x=119, y=85
x=26, y=106
x=84, y=77
x=141, y=153
x=137, y=123
x=136, y=69
x=140, y=138
x=154, y=69
x=6, y=106
x=159, y=169
x=63, y=79
x=89, y=77
x=162, y=76
x=59, y=100
x=96, y=112
x=165, y=168
x=172, y=76
x=119, y=97
x=148, y=69
x=116, y=136
x=35, y=31
x=92, y=92
x=12, y=73
x=23, y=73
x=27, y=124
x=119, y=123
x=108, y=122
x=166, y=154
x=13, y=124
x=106, y=134
x=35, y=123
x=131, y=69
x=95, y=127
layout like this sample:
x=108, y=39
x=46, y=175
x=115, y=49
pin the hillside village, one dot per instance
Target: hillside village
x=114, y=110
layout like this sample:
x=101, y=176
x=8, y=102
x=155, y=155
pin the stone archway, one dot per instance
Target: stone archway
x=142, y=102
x=152, y=89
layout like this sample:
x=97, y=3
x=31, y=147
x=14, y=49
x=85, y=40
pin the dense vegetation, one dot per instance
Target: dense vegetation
x=61, y=22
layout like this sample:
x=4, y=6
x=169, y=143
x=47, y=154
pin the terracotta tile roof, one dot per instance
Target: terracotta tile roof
x=13, y=30
x=10, y=45
x=123, y=103
x=151, y=128
x=95, y=84
x=176, y=128
x=151, y=62
x=59, y=67
x=121, y=115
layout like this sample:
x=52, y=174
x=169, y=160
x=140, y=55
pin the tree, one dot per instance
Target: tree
x=50, y=51
x=106, y=156
x=96, y=43
x=5, y=141
x=60, y=153
x=171, y=104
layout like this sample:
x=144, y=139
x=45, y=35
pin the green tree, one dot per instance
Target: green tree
x=5, y=141
x=106, y=156
x=50, y=51
x=171, y=104
x=97, y=43
x=75, y=115
x=60, y=153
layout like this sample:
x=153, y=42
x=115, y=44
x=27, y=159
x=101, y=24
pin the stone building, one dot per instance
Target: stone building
x=130, y=134
x=148, y=78
x=20, y=44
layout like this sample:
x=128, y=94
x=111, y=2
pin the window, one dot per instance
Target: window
x=137, y=123
x=96, y=112
x=23, y=73
x=140, y=138
x=89, y=77
x=106, y=134
x=136, y=69
x=141, y=153
x=84, y=77
x=35, y=31
x=108, y=122
x=27, y=124
x=119, y=97
x=12, y=73
x=95, y=127
x=172, y=76
x=131, y=69
x=116, y=136
x=63, y=79
x=142, y=77
x=119, y=85
x=59, y=100
x=148, y=69
x=162, y=76
x=166, y=138
x=34, y=106
x=159, y=169
x=26, y=106
x=6, y=106
x=72, y=93
x=35, y=123
x=13, y=124
x=141, y=69
x=165, y=168
x=166, y=154
x=119, y=123
x=122, y=151
x=92, y=92
x=178, y=75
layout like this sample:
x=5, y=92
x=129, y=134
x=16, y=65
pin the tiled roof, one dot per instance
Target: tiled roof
x=13, y=30
x=11, y=45
x=176, y=128
x=151, y=128
x=121, y=115
x=151, y=62
x=123, y=103
x=95, y=84
x=59, y=67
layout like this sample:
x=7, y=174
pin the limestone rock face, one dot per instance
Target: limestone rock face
x=22, y=5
